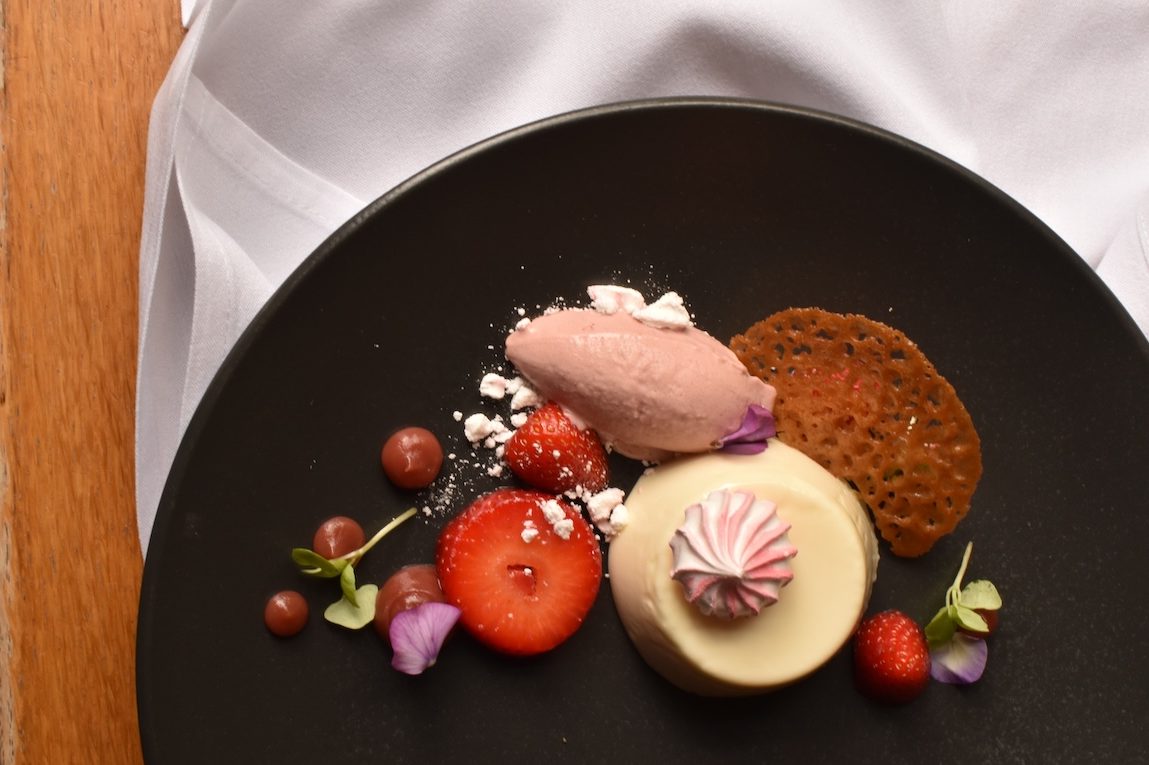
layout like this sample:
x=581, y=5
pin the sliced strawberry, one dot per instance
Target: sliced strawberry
x=551, y=453
x=518, y=596
x=891, y=658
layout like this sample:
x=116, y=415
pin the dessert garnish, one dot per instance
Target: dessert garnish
x=550, y=452
x=418, y=633
x=960, y=660
x=861, y=399
x=667, y=312
x=891, y=658
x=732, y=554
x=752, y=435
x=356, y=608
x=523, y=567
x=607, y=511
x=338, y=536
x=285, y=613
x=411, y=615
x=612, y=298
x=411, y=458
x=957, y=631
x=411, y=586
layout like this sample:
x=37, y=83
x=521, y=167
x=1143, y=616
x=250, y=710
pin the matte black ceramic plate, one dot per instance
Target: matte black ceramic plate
x=745, y=209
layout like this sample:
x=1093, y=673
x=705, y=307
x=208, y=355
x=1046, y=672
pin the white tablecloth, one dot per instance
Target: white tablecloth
x=278, y=121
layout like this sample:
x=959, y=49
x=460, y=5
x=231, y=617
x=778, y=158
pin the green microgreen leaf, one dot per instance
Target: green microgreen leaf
x=357, y=606
x=941, y=628
x=354, y=557
x=344, y=613
x=981, y=594
x=955, y=588
x=314, y=564
x=969, y=619
x=959, y=613
x=347, y=584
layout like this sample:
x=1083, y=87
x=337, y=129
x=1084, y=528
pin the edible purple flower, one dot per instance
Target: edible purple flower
x=418, y=634
x=960, y=660
x=956, y=656
x=750, y=437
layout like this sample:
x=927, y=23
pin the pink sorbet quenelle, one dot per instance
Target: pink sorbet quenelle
x=650, y=390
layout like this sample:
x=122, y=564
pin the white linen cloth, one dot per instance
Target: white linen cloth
x=278, y=121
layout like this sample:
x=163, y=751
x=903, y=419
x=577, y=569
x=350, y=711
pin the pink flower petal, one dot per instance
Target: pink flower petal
x=418, y=634
x=960, y=660
x=750, y=437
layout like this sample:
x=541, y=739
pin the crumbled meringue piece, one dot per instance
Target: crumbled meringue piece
x=619, y=518
x=493, y=386
x=553, y=512
x=477, y=427
x=610, y=298
x=607, y=512
x=525, y=398
x=556, y=516
x=487, y=431
x=599, y=505
x=668, y=312
x=564, y=528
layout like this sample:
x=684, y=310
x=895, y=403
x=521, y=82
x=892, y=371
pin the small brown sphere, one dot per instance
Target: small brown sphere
x=407, y=588
x=412, y=458
x=285, y=613
x=338, y=536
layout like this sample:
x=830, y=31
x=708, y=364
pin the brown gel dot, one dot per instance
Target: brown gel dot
x=407, y=588
x=412, y=458
x=338, y=536
x=285, y=613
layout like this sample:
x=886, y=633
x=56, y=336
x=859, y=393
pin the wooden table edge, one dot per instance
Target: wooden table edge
x=78, y=84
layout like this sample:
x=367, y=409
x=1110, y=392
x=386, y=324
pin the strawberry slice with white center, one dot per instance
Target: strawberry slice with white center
x=523, y=567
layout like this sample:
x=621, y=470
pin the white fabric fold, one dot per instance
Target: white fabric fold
x=1125, y=266
x=278, y=123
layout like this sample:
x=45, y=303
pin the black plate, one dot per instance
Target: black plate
x=745, y=208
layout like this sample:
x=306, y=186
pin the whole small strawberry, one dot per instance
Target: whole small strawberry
x=550, y=452
x=891, y=658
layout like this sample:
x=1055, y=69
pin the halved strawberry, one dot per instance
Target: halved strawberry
x=891, y=658
x=551, y=453
x=524, y=583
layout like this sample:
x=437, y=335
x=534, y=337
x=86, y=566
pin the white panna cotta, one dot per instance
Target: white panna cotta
x=817, y=611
